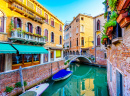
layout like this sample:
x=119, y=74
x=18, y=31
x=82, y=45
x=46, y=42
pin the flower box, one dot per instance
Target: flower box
x=109, y=30
x=121, y=5
x=121, y=17
x=110, y=36
x=125, y=22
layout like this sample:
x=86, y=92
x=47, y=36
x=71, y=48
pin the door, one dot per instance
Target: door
x=2, y=62
x=119, y=84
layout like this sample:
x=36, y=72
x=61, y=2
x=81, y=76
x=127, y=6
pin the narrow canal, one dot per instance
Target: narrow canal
x=85, y=81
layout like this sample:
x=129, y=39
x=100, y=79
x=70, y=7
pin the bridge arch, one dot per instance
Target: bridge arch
x=80, y=57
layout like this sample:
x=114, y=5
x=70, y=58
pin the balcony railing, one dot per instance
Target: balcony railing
x=15, y=35
x=26, y=11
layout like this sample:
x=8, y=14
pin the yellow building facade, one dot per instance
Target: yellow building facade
x=80, y=32
x=42, y=26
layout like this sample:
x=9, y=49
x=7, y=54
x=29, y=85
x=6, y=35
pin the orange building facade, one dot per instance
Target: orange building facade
x=25, y=26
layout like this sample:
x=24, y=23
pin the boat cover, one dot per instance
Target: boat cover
x=62, y=73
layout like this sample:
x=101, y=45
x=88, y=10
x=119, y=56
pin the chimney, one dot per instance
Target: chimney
x=73, y=18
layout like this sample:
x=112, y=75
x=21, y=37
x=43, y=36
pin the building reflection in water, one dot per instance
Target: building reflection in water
x=85, y=81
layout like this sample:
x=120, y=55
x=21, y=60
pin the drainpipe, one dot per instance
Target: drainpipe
x=95, y=39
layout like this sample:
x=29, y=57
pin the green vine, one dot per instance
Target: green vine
x=11, y=26
x=103, y=37
x=105, y=14
x=113, y=4
x=9, y=89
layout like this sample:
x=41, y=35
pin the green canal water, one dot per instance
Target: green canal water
x=85, y=81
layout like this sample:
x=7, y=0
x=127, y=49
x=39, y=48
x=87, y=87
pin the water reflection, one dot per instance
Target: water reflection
x=85, y=81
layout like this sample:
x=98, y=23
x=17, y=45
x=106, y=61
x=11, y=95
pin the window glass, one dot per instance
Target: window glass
x=27, y=58
x=1, y=22
x=36, y=57
x=16, y=59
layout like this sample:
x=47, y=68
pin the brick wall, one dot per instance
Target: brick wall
x=119, y=57
x=99, y=55
x=33, y=75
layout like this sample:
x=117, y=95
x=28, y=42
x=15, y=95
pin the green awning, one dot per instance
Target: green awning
x=28, y=49
x=6, y=48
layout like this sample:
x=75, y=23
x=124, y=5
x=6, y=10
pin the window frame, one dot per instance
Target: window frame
x=52, y=40
x=53, y=22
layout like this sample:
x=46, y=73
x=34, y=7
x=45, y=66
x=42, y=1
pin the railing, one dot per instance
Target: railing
x=23, y=10
x=27, y=37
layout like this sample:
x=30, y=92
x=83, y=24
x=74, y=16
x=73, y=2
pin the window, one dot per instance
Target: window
x=1, y=22
x=17, y=23
x=82, y=28
x=46, y=16
x=52, y=22
x=39, y=10
x=77, y=41
x=46, y=34
x=38, y=30
x=110, y=73
x=29, y=27
x=2, y=62
x=60, y=39
x=98, y=40
x=52, y=37
x=105, y=55
x=17, y=58
x=98, y=25
x=36, y=57
x=67, y=36
x=77, y=20
x=70, y=44
x=77, y=29
x=27, y=58
x=60, y=27
x=82, y=18
x=29, y=4
x=82, y=41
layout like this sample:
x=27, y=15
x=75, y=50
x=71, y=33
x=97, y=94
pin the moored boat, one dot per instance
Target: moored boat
x=36, y=91
x=61, y=75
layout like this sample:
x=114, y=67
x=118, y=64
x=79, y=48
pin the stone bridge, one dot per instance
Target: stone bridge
x=80, y=58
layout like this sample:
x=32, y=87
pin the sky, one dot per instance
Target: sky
x=65, y=10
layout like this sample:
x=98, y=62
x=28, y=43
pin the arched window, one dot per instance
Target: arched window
x=52, y=37
x=73, y=52
x=46, y=34
x=29, y=27
x=98, y=25
x=1, y=21
x=77, y=41
x=38, y=30
x=98, y=40
x=82, y=41
x=17, y=23
x=60, y=39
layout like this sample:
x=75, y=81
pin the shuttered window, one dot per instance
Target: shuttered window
x=17, y=23
x=29, y=4
x=29, y=27
x=52, y=37
x=52, y=22
x=58, y=53
x=46, y=34
x=46, y=16
x=1, y=22
x=38, y=30
x=98, y=40
x=39, y=10
x=60, y=27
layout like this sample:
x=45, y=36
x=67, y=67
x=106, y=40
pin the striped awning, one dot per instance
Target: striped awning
x=6, y=48
x=28, y=49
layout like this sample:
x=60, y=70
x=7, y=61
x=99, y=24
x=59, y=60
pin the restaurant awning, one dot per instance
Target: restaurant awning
x=6, y=48
x=28, y=49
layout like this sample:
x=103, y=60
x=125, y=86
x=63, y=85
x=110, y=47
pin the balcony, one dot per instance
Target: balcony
x=26, y=38
x=26, y=11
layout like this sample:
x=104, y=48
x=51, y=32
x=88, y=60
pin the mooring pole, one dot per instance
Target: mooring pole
x=21, y=78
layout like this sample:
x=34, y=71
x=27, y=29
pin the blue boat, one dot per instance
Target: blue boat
x=61, y=75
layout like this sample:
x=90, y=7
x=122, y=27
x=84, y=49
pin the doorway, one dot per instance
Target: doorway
x=2, y=62
x=119, y=83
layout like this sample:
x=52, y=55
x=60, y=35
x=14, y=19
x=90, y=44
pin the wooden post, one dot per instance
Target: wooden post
x=21, y=78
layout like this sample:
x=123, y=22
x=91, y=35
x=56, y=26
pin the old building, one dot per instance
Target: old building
x=25, y=26
x=79, y=35
x=117, y=28
x=99, y=47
